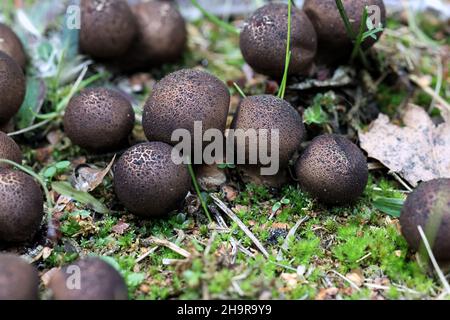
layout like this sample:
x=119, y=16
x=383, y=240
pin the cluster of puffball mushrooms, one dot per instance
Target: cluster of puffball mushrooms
x=147, y=182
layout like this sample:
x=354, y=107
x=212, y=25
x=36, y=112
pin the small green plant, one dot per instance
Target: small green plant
x=224, y=166
x=55, y=169
x=279, y=204
x=282, y=90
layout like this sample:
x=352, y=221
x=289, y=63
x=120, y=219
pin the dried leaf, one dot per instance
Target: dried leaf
x=120, y=227
x=88, y=178
x=420, y=151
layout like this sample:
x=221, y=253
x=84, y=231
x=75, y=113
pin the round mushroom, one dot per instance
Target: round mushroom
x=21, y=206
x=12, y=46
x=18, y=279
x=429, y=207
x=333, y=169
x=162, y=34
x=9, y=150
x=334, y=41
x=108, y=28
x=148, y=183
x=263, y=41
x=12, y=87
x=267, y=112
x=97, y=281
x=182, y=98
x=99, y=119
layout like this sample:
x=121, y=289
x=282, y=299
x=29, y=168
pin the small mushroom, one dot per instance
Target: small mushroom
x=429, y=207
x=12, y=46
x=9, y=150
x=161, y=35
x=12, y=87
x=18, y=279
x=334, y=41
x=99, y=119
x=333, y=169
x=108, y=28
x=148, y=183
x=180, y=99
x=263, y=41
x=88, y=279
x=267, y=112
x=21, y=206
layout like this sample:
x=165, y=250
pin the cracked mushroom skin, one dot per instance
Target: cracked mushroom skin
x=182, y=98
x=263, y=41
x=333, y=170
x=12, y=46
x=18, y=279
x=21, y=206
x=333, y=40
x=108, y=28
x=98, y=281
x=99, y=119
x=9, y=150
x=148, y=183
x=267, y=112
x=12, y=87
x=428, y=206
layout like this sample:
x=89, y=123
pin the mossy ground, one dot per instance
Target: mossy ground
x=354, y=252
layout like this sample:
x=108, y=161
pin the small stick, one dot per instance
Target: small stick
x=241, y=225
x=291, y=233
x=171, y=246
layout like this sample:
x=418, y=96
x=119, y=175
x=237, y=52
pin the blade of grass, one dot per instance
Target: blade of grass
x=236, y=86
x=359, y=38
x=197, y=190
x=212, y=18
x=282, y=90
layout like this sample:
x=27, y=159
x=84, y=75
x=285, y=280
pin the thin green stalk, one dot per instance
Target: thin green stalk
x=236, y=86
x=217, y=21
x=197, y=190
x=282, y=90
x=38, y=179
x=359, y=38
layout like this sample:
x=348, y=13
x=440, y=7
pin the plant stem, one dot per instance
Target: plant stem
x=228, y=27
x=236, y=86
x=360, y=36
x=197, y=190
x=282, y=89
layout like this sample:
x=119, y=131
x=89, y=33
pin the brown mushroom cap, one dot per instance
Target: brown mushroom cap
x=263, y=40
x=429, y=207
x=334, y=42
x=270, y=113
x=108, y=28
x=97, y=281
x=99, y=119
x=12, y=87
x=18, y=279
x=180, y=99
x=161, y=35
x=148, y=183
x=12, y=46
x=9, y=150
x=21, y=206
x=333, y=169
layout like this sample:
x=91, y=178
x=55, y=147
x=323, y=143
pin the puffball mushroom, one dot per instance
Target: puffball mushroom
x=108, y=28
x=9, y=150
x=12, y=46
x=263, y=41
x=97, y=281
x=161, y=35
x=428, y=206
x=99, y=119
x=148, y=183
x=18, y=279
x=180, y=99
x=12, y=87
x=334, y=41
x=270, y=113
x=21, y=206
x=333, y=169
